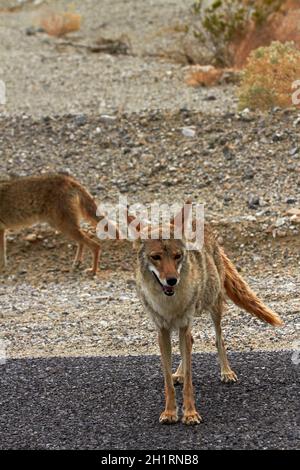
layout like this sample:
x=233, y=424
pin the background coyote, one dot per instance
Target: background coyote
x=57, y=199
x=176, y=284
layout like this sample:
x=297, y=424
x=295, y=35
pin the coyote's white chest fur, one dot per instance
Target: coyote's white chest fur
x=168, y=312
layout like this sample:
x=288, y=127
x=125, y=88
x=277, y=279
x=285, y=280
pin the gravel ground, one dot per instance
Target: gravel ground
x=99, y=403
x=118, y=124
x=58, y=79
x=96, y=317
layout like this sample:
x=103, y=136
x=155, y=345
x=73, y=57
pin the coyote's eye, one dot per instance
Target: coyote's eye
x=177, y=256
x=156, y=257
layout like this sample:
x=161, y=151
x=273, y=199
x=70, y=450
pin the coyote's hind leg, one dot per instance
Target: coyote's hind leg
x=79, y=255
x=82, y=239
x=69, y=225
x=190, y=414
x=227, y=374
x=178, y=376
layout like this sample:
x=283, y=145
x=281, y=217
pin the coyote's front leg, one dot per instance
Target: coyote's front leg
x=168, y=416
x=190, y=414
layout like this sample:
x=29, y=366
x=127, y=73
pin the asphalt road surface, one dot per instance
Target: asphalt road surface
x=114, y=403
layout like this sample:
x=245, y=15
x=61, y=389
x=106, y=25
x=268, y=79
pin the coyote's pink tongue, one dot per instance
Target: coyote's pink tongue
x=168, y=290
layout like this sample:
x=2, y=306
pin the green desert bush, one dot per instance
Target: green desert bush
x=220, y=23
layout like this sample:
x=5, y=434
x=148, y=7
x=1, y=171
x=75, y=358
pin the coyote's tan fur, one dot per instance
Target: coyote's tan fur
x=57, y=199
x=175, y=284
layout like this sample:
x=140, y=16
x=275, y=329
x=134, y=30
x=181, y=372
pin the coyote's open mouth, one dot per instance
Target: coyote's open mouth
x=167, y=290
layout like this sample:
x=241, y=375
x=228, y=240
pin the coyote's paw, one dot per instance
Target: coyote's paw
x=3, y=265
x=228, y=376
x=191, y=418
x=90, y=272
x=76, y=265
x=177, y=379
x=168, y=417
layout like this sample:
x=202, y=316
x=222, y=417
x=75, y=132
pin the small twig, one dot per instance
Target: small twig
x=110, y=48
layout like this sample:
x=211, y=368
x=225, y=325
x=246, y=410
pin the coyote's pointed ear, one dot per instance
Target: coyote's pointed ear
x=182, y=217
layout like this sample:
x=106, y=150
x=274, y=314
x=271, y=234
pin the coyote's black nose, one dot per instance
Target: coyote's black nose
x=171, y=281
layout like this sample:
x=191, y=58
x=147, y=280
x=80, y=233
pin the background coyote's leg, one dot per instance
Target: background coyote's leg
x=79, y=255
x=227, y=374
x=96, y=254
x=178, y=376
x=69, y=225
x=82, y=239
x=2, y=249
x=170, y=413
x=190, y=415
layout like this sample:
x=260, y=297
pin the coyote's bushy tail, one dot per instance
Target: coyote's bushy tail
x=88, y=206
x=242, y=295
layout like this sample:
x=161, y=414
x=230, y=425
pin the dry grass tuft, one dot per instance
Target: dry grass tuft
x=60, y=24
x=207, y=75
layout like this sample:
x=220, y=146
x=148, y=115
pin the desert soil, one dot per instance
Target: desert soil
x=117, y=123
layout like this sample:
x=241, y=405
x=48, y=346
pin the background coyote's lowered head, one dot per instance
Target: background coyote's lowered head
x=57, y=199
x=175, y=284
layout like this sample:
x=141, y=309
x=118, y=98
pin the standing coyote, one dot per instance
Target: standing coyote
x=57, y=199
x=176, y=284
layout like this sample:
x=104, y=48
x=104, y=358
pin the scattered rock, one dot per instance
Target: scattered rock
x=210, y=98
x=228, y=152
x=80, y=120
x=296, y=122
x=188, y=132
x=295, y=219
x=280, y=222
x=107, y=119
x=294, y=151
x=278, y=136
x=32, y=237
x=253, y=201
x=291, y=200
x=246, y=115
x=294, y=211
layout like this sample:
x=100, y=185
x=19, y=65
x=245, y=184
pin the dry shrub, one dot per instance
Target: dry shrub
x=268, y=77
x=207, y=75
x=282, y=25
x=221, y=25
x=230, y=29
x=60, y=24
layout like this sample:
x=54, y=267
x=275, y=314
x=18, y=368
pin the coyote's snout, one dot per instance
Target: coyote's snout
x=176, y=284
x=56, y=199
